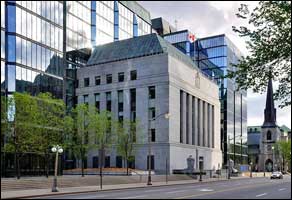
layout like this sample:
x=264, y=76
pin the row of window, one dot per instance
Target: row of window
x=109, y=78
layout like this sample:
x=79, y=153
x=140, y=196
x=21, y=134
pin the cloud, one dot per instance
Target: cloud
x=211, y=18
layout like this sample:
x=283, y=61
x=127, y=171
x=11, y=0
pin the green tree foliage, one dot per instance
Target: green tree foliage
x=102, y=129
x=34, y=124
x=269, y=44
x=126, y=138
x=76, y=132
x=284, y=149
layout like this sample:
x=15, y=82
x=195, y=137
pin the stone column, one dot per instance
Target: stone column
x=184, y=127
x=190, y=119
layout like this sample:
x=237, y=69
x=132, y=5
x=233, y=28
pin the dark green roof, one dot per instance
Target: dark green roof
x=136, y=47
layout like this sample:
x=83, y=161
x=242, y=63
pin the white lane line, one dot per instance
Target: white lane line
x=133, y=197
x=206, y=190
x=90, y=197
x=177, y=191
x=259, y=195
x=282, y=189
x=155, y=190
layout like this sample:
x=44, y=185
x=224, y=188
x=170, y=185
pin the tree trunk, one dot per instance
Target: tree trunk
x=82, y=162
x=47, y=164
x=127, y=163
x=17, y=166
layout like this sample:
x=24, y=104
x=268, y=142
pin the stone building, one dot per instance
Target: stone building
x=270, y=134
x=142, y=78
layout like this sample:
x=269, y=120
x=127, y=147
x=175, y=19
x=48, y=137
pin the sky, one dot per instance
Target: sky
x=207, y=18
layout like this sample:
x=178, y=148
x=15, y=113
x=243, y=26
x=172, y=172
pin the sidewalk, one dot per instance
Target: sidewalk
x=74, y=190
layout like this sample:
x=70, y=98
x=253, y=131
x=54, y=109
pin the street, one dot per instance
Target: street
x=250, y=188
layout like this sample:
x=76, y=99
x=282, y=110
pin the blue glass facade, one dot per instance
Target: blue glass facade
x=36, y=37
x=215, y=55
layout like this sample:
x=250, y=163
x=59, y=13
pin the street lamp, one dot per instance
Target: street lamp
x=166, y=116
x=273, y=158
x=250, y=169
x=56, y=149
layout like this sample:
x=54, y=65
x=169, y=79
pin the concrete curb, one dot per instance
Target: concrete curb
x=115, y=189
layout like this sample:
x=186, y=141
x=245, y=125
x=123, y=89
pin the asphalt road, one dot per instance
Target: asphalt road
x=251, y=188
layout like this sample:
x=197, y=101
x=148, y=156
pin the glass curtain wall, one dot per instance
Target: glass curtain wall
x=215, y=56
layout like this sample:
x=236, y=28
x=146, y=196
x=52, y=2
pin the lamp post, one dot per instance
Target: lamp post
x=56, y=149
x=250, y=169
x=166, y=116
x=273, y=158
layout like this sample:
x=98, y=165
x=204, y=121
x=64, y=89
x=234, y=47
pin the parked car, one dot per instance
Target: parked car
x=276, y=175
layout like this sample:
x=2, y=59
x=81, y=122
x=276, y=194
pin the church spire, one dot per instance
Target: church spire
x=270, y=111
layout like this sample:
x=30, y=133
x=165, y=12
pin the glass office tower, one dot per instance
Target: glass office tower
x=43, y=42
x=219, y=52
x=214, y=56
x=36, y=35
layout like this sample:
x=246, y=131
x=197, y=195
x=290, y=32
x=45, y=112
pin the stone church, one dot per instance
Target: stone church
x=269, y=160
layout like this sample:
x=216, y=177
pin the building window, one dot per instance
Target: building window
x=119, y=162
x=85, y=99
x=152, y=162
x=109, y=79
x=97, y=101
x=120, y=101
x=269, y=135
x=152, y=113
x=133, y=104
x=86, y=82
x=97, y=80
x=121, y=77
x=133, y=75
x=108, y=101
x=153, y=135
x=151, y=92
x=77, y=84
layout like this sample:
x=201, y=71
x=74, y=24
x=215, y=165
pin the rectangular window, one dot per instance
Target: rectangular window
x=109, y=78
x=120, y=101
x=97, y=80
x=85, y=99
x=121, y=77
x=97, y=101
x=108, y=101
x=133, y=75
x=86, y=82
x=151, y=92
x=153, y=135
x=152, y=162
x=152, y=113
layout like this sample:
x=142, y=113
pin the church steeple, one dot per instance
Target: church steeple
x=270, y=111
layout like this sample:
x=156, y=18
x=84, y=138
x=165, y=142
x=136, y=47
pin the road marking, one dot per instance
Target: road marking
x=206, y=190
x=230, y=189
x=133, y=197
x=282, y=189
x=177, y=191
x=259, y=195
x=90, y=197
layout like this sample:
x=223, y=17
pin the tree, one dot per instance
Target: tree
x=50, y=124
x=284, y=149
x=102, y=133
x=126, y=138
x=79, y=137
x=21, y=120
x=269, y=43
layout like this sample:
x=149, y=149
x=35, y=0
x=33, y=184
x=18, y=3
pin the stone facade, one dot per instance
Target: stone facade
x=171, y=78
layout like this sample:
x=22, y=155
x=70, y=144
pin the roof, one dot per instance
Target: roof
x=145, y=45
x=138, y=9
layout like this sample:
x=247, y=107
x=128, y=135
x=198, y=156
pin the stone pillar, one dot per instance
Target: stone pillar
x=184, y=127
x=196, y=121
x=201, y=124
x=190, y=120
